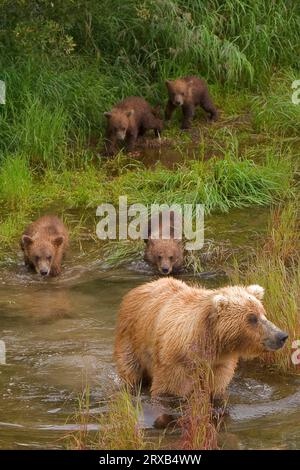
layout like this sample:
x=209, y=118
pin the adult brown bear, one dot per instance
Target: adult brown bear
x=163, y=324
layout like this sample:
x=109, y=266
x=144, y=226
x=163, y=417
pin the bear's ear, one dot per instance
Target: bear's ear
x=220, y=301
x=156, y=111
x=57, y=241
x=26, y=240
x=130, y=113
x=256, y=290
x=107, y=115
x=179, y=242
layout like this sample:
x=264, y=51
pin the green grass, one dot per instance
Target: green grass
x=219, y=184
x=116, y=253
x=228, y=41
x=16, y=183
x=43, y=132
x=65, y=66
x=118, y=426
x=11, y=228
x=274, y=110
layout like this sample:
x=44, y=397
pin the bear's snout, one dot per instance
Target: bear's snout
x=178, y=101
x=44, y=272
x=121, y=135
x=165, y=270
x=275, y=338
x=281, y=338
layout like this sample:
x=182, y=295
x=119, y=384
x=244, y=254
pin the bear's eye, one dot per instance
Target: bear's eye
x=252, y=319
x=37, y=259
x=49, y=258
x=171, y=258
x=159, y=257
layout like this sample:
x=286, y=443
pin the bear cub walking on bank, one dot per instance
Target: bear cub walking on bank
x=44, y=243
x=166, y=255
x=187, y=93
x=165, y=327
x=128, y=120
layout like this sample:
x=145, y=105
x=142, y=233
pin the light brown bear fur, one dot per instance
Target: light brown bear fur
x=129, y=119
x=187, y=93
x=163, y=325
x=44, y=243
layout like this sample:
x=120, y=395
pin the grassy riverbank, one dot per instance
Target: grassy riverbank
x=65, y=64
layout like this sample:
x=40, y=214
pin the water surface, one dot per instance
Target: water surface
x=59, y=337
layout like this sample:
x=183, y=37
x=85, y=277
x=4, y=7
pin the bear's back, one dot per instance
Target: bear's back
x=136, y=103
x=46, y=227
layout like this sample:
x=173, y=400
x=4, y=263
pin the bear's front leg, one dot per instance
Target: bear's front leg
x=171, y=380
x=28, y=263
x=111, y=146
x=170, y=108
x=55, y=270
x=131, y=140
x=152, y=122
x=209, y=107
x=222, y=375
x=56, y=264
x=188, y=114
x=128, y=365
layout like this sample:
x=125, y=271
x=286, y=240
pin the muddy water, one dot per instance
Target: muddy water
x=59, y=337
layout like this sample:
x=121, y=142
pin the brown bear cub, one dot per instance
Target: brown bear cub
x=44, y=243
x=165, y=329
x=187, y=93
x=166, y=255
x=129, y=119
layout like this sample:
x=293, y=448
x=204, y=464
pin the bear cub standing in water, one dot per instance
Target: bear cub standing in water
x=128, y=120
x=44, y=243
x=187, y=93
x=165, y=254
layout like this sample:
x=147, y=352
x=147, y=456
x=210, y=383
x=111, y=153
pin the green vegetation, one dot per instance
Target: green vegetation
x=118, y=427
x=120, y=424
x=231, y=182
x=219, y=184
x=273, y=110
x=64, y=63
